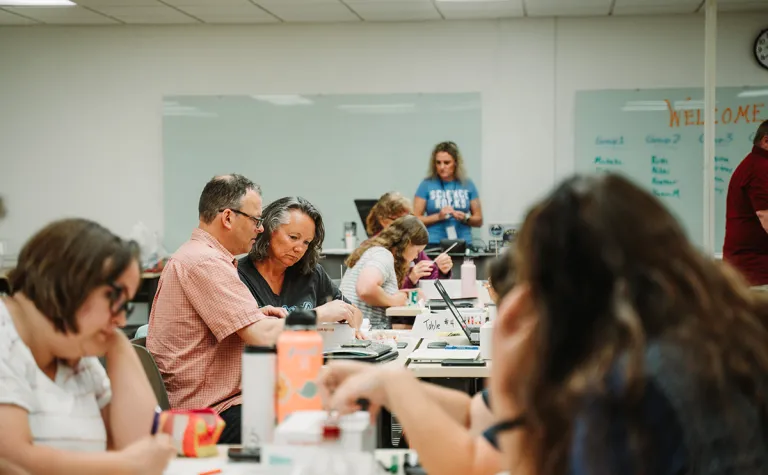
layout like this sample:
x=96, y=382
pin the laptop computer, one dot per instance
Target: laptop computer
x=364, y=209
x=474, y=338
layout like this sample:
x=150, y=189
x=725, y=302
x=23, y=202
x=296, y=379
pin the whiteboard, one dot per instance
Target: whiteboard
x=655, y=137
x=330, y=149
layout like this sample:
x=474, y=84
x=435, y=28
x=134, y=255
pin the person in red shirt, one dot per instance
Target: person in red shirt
x=746, y=213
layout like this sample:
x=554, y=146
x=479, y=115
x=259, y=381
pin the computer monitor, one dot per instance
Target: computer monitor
x=364, y=209
x=455, y=311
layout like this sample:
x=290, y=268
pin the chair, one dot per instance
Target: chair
x=154, y=376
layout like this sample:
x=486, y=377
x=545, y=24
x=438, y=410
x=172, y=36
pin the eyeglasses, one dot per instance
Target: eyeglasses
x=256, y=221
x=115, y=295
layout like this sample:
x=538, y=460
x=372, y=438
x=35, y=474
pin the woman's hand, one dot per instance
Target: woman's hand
x=460, y=216
x=513, y=345
x=271, y=311
x=444, y=263
x=149, y=455
x=335, y=373
x=420, y=270
x=352, y=385
x=336, y=311
x=445, y=212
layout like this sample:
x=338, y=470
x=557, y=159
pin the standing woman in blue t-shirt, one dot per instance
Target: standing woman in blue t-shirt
x=447, y=201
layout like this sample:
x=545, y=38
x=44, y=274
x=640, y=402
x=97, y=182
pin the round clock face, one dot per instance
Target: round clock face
x=761, y=49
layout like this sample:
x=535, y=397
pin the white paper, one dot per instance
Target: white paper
x=450, y=231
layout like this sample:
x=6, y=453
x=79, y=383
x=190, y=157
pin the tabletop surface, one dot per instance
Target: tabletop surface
x=222, y=465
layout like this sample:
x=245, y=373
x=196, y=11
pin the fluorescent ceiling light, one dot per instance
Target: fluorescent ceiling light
x=377, y=108
x=283, y=99
x=754, y=93
x=36, y=3
x=689, y=105
x=644, y=106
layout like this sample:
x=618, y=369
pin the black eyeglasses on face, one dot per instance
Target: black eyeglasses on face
x=115, y=296
x=256, y=221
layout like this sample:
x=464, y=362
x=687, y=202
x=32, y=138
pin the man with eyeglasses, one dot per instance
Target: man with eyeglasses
x=203, y=315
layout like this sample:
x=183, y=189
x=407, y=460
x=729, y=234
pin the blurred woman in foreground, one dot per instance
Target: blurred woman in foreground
x=620, y=350
x=623, y=349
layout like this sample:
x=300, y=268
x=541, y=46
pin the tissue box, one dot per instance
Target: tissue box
x=194, y=433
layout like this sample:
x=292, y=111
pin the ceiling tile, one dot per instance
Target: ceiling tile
x=472, y=10
x=62, y=15
x=113, y=3
x=395, y=11
x=8, y=18
x=159, y=15
x=312, y=11
x=230, y=14
x=567, y=7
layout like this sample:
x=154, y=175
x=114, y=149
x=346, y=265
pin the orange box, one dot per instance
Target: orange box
x=194, y=433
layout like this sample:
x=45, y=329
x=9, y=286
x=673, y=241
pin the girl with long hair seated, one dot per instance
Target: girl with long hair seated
x=391, y=206
x=375, y=269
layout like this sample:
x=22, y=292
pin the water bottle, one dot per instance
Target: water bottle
x=468, y=279
x=258, y=386
x=299, y=361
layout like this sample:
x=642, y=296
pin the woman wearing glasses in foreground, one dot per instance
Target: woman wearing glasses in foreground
x=59, y=410
x=621, y=350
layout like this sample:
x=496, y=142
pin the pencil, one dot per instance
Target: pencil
x=211, y=472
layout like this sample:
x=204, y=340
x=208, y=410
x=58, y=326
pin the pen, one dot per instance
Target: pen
x=156, y=420
x=462, y=347
x=211, y=472
x=449, y=249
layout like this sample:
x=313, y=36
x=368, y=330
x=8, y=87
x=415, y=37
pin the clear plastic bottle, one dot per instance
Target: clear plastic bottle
x=468, y=278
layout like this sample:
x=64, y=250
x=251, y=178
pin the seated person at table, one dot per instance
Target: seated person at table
x=375, y=269
x=391, y=206
x=459, y=436
x=625, y=349
x=60, y=411
x=282, y=269
x=203, y=315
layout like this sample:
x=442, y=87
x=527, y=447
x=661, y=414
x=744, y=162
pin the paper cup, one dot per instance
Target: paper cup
x=413, y=298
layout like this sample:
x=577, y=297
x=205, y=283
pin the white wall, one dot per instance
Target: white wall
x=80, y=108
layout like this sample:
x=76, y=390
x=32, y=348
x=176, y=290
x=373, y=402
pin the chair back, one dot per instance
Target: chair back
x=154, y=376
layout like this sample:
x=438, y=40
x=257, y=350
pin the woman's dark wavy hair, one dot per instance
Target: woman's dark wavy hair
x=403, y=232
x=610, y=269
x=278, y=213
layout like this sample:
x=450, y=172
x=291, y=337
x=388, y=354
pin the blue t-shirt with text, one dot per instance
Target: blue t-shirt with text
x=439, y=194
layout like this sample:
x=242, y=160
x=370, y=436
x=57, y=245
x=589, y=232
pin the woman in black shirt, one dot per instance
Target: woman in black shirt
x=282, y=268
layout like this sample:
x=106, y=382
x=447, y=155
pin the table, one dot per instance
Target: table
x=192, y=466
x=435, y=370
